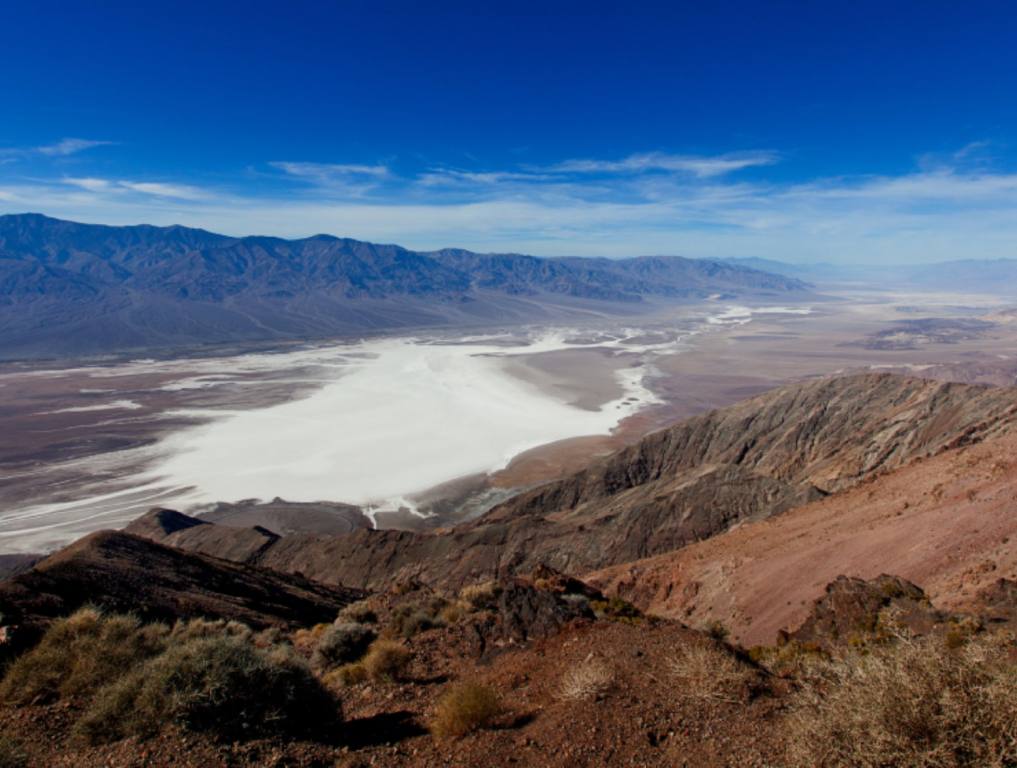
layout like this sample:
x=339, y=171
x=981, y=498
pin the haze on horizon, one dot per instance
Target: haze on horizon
x=805, y=133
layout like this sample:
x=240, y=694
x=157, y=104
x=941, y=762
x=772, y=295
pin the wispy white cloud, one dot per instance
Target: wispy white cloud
x=705, y=166
x=160, y=189
x=448, y=176
x=153, y=188
x=328, y=171
x=89, y=183
x=66, y=147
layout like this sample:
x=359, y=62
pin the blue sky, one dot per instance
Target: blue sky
x=807, y=131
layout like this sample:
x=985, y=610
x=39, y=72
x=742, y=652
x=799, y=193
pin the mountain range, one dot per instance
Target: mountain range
x=69, y=288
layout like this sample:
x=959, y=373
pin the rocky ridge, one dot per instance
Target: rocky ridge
x=747, y=462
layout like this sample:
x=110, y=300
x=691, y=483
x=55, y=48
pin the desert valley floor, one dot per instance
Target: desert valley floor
x=331, y=437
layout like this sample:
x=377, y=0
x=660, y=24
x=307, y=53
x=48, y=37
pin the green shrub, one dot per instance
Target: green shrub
x=80, y=654
x=223, y=686
x=386, y=660
x=464, y=708
x=342, y=644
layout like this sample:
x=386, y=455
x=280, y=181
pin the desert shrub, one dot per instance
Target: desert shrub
x=409, y=620
x=616, y=609
x=269, y=638
x=464, y=708
x=386, y=660
x=717, y=630
x=358, y=613
x=342, y=644
x=481, y=596
x=454, y=612
x=710, y=673
x=11, y=754
x=193, y=629
x=587, y=680
x=789, y=658
x=223, y=686
x=347, y=674
x=914, y=703
x=79, y=654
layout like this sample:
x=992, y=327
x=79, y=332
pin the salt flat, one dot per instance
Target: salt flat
x=403, y=416
x=392, y=423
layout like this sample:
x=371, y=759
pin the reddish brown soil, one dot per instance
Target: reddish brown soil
x=945, y=523
x=642, y=720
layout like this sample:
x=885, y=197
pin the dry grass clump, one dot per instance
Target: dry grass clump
x=11, y=754
x=359, y=612
x=589, y=679
x=223, y=686
x=194, y=629
x=480, y=596
x=342, y=644
x=409, y=620
x=709, y=673
x=79, y=654
x=913, y=703
x=464, y=708
x=306, y=639
x=386, y=660
x=455, y=611
x=616, y=609
x=347, y=674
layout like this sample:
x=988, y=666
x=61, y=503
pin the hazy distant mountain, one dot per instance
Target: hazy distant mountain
x=997, y=277
x=81, y=288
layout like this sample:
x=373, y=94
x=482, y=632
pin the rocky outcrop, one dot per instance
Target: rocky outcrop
x=853, y=610
x=678, y=486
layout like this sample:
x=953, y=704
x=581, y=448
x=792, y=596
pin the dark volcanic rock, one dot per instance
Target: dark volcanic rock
x=525, y=612
x=854, y=609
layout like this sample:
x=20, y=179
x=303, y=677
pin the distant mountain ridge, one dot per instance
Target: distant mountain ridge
x=996, y=277
x=69, y=287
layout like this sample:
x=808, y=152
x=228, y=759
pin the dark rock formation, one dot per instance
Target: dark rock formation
x=853, y=610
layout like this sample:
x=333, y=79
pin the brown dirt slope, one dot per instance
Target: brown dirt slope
x=946, y=523
x=683, y=484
